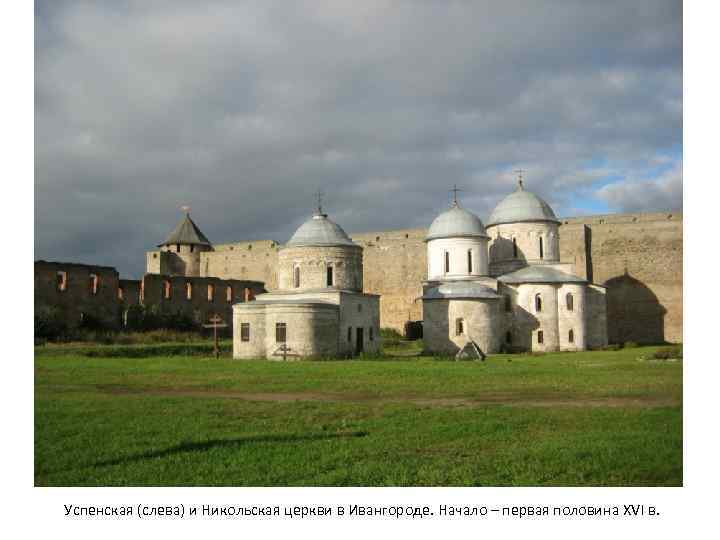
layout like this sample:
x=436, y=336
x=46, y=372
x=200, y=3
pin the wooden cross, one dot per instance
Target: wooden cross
x=284, y=351
x=455, y=190
x=215, y=323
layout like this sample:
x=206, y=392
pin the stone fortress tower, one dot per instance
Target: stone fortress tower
x=179, y=254
x=319, y=308
x=504, y=287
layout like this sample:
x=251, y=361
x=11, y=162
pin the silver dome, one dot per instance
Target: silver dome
x=456, y=222
x=521, y=206
x=460, y=289
x=320, y=231
x=540, y=274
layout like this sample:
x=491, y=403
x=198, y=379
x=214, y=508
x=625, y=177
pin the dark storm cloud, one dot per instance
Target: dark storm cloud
x=243, y=110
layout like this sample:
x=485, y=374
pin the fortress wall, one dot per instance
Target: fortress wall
x=643, y=306
x=395, y=265
x=256, y=261
x=68, y=287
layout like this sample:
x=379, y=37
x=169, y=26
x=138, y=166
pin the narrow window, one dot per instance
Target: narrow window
x=447, y=262
x=61, y=281
x=540, y=336
x=296, y=277
x=538, y=303
x=359, y=308
x=329, y=276
x=280, y=332
x=349, y=334
x=167, y=289
x=94, y=281
x=541, y=248
x=188, y=290
x=469, y=261
x=121, y=293
x=569, y=301
x=508, y=337
x=211, y=292
x=246, y=294
x=571, y=336
x=229, y=294
x=244, y=331
x=177, y=248
x=371, y=334
x=459, y=327
x=142, y=290
x=192, y=248
x=514, y=248
x=508, y=303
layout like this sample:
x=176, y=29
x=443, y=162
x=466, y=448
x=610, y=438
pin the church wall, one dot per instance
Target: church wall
x=529, y=321
x=359, y=311
x=527, y=238
x=482, y=322
x=313, y=261
x=312, y=329
x=252, y=313
x=571, y=319
x=457, y=249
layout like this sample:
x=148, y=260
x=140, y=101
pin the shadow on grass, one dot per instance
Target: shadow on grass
x=226, y=443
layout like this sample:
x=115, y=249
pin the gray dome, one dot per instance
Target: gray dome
x=320, y=231
x=456, y=222
x=460, y=289
x=521, y=206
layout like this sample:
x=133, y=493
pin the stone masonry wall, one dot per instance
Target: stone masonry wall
x=644, y=303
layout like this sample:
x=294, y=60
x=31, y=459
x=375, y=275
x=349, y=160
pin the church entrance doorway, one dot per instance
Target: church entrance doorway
x=359, y=340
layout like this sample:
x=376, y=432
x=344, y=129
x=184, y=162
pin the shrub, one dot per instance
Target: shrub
x=630, y=345
x=667, y=353
x=390, y=333
x=49, y=323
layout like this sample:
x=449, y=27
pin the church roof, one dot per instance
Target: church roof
x=320, y=231
x=187, y=233
x=459, y=289
x=456, y=222
x=521, y=206
x=540, y=274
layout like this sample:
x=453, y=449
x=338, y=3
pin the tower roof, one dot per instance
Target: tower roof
x=320, y=231
x=187, y=233
x=456, y=222
x=521, y=206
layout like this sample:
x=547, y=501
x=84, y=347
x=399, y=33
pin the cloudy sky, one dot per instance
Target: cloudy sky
x=242, y=110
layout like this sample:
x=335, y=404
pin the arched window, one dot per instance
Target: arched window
x=538, y=303
x=508, y=303
x=447, y=262
x=514, y=248
x=229, y=293
x=542, y=254
x=459, y=327
x=247, y=295
x=188, y=291
x=569, y=301
x=121, y=293
x=177, y=248
x=540, y=337
x=296, y=277
x=211, y=292
x=470, y=261
x=167, y=289
x=508, y=337
x=571, y=336
x=61, y=282
x=329, y=276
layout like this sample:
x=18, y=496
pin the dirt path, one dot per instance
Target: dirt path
x=479, y=401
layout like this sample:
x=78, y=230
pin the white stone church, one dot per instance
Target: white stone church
x=489, y=289
x=503, y=287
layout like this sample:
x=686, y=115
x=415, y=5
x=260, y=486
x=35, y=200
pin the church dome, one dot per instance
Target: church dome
x=456, y=222
x=320, y=231
x=521, y=206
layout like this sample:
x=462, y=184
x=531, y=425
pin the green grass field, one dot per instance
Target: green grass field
x=609, y=418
